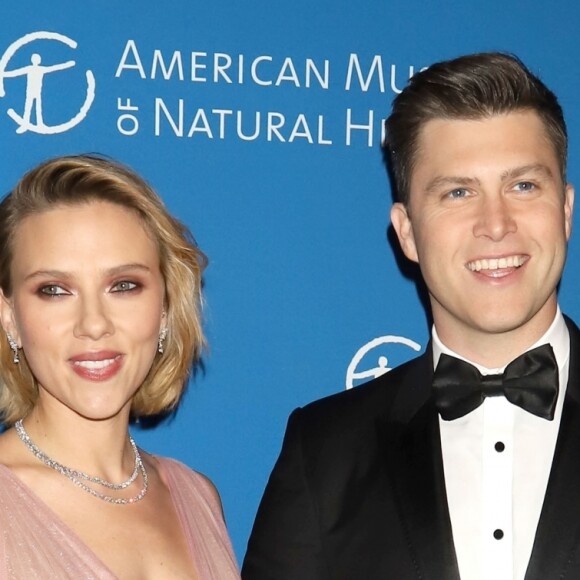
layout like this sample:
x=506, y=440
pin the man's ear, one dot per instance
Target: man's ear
x=568, y=209
x=402, y=224
x=7, y=317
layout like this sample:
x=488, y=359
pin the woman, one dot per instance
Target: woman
x=100, y=303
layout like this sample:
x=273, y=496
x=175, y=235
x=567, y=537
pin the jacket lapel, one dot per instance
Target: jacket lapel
x=412, y=447
x=556, y=552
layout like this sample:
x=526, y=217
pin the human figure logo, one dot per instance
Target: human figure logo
x=31, y=118
x=355, y=376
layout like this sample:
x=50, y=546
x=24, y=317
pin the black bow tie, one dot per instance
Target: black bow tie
x=530, y=382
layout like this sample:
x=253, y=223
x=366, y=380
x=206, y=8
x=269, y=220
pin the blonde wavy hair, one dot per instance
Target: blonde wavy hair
x=73, y=180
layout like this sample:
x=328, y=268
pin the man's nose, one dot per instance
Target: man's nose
x=494, y=219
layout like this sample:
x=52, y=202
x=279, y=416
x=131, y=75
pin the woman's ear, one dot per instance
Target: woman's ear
x=7, y=317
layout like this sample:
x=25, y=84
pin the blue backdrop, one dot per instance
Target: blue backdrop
x=259, y=123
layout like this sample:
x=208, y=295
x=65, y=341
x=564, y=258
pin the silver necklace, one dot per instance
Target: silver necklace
x=79, y=477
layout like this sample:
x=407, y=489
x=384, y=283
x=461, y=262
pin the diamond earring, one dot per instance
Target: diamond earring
x=14, y=346
x=162, y=337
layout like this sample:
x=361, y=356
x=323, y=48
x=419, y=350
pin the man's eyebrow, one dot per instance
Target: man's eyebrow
x=514, y=173
x=62, y=275
x=539, y=168
x=450, y=180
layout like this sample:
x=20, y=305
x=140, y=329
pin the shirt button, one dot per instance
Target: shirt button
x=499, y=446
x=498, y=534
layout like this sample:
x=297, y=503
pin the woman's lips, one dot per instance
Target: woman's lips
x=97, y=366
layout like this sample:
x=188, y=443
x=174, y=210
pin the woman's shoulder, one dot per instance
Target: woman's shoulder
x=11, y=449
x=15, y=463
x=183, y=475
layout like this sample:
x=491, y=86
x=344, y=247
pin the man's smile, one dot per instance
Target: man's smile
x=514, y=261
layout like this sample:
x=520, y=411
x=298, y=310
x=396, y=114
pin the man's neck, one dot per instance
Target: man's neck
x=493, y=350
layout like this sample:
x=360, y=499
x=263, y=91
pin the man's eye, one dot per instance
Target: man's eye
x=525, y=186
x=52, y=290
x=124, y=286
x=457, y=193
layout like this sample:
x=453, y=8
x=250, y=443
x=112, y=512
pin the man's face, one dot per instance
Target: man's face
x=488, y=222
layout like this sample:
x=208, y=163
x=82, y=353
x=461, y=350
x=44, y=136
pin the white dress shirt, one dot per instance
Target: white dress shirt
x=497, y=461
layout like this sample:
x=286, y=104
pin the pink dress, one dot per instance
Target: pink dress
x=36, y=545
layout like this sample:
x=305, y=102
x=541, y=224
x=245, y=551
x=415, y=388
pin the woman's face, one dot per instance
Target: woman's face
x=87, y=306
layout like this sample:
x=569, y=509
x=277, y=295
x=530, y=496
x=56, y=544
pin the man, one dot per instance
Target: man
x=442, y=469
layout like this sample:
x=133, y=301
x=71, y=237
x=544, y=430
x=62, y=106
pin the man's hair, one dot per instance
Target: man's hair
x=470, y=87
x=84, y=179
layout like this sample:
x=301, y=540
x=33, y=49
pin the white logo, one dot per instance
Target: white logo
x=382, y=364
x=35, y=73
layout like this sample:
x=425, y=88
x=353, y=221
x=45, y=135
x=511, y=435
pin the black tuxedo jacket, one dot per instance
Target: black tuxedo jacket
x=358, y=491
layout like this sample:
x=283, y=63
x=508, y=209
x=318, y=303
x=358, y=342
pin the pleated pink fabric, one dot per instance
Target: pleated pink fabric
x=37, y=545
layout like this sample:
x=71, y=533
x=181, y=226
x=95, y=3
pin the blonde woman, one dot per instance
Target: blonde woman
x=100, y=306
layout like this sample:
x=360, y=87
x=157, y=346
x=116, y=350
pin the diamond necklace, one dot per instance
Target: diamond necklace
x=77, y=477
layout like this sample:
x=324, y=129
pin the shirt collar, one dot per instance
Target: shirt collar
x=556, y=335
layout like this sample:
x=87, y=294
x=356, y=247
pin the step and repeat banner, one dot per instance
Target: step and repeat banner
x=259, y=124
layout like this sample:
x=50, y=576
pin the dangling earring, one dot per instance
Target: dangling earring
x=14, y=346
x=162, y=337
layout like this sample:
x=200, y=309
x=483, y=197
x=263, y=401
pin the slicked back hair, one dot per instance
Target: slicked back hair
x=470, y=87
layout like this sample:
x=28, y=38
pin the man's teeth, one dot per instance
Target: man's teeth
x=95, y=364
x=496, y=263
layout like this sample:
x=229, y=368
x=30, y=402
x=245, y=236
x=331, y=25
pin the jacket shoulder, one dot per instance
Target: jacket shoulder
x=393, y=394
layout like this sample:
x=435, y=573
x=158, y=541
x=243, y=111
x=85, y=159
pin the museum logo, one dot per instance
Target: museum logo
x=36, y=102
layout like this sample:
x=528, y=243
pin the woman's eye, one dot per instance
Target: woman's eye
x=124, y=286
x=52, y=290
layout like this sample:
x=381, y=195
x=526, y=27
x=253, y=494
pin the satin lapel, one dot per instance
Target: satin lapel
x=415, y=468
x=556, y=552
